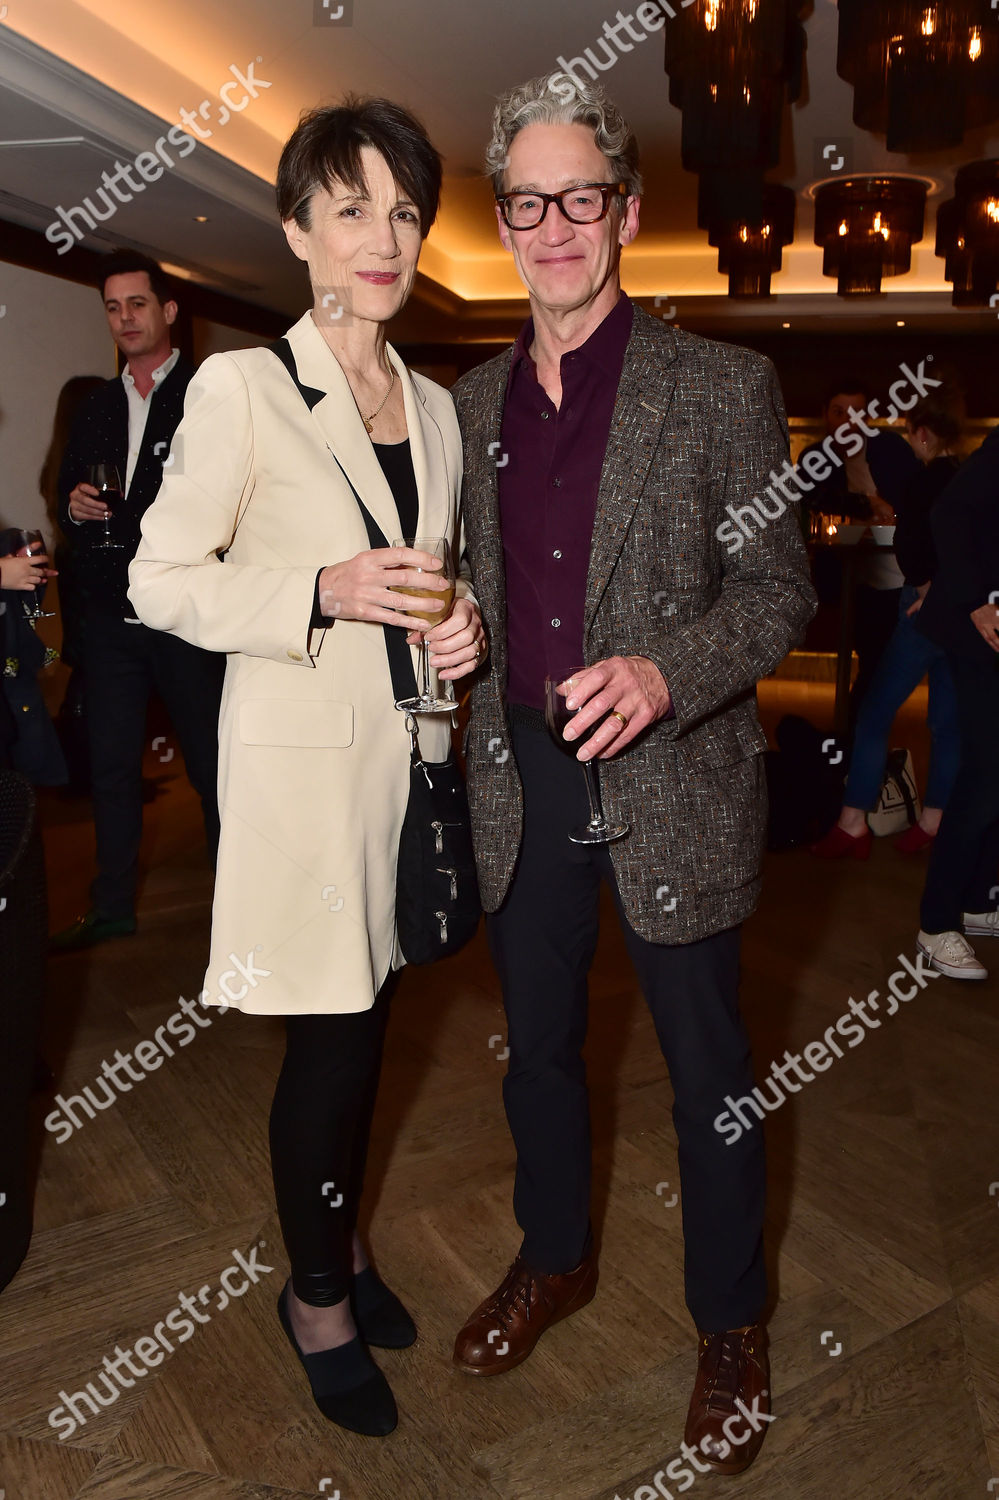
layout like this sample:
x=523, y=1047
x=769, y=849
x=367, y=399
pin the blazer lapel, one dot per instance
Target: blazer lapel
x=340, y=422
x=434, y=484
x=643, y=399
x=482, y=424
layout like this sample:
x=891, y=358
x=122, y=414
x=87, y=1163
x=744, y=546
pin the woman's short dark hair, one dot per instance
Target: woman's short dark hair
x=942, y=411
x=327, y=145
x=130, y=262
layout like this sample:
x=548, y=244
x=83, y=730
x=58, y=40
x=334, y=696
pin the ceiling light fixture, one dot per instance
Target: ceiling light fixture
x=867, y=227
x=750, y=249
x=968, y=234
x=922, y=74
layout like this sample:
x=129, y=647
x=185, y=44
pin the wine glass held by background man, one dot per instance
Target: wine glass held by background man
x=126, y=427
x=595, y=538
x=278, y=572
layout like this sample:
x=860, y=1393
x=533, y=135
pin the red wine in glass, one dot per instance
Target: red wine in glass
x=106, y=479
x=32, y=542
x=557, y=715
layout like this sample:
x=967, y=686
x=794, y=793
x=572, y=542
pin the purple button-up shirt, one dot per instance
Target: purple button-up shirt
x=549, y=477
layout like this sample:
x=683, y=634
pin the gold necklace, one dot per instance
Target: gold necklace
x=368, y=420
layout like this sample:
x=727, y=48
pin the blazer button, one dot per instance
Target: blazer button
x=295, y=655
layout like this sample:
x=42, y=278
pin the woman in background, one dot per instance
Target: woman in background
x=934, y=431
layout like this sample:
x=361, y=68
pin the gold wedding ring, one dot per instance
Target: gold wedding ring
x=616, y=714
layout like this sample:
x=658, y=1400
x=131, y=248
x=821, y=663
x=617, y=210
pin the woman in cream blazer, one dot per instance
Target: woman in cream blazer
x=256, y=547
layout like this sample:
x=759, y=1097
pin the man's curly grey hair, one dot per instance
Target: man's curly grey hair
x=564, y=99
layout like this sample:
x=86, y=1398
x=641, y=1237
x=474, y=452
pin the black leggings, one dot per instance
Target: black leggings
x=319, y=1129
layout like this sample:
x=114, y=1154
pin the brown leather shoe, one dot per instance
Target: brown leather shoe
x=730, y=1408
x=504, y=1328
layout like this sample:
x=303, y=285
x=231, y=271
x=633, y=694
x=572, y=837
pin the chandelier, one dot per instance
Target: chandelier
x=867, y=227
x=968, y=234
x=922, y=73
x=751, y=249
x=731, y=65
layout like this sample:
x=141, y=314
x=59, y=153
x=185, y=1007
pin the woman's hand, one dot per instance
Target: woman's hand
x=917, y=604
x=25, y=572
x=362, y=588
x=458, y=644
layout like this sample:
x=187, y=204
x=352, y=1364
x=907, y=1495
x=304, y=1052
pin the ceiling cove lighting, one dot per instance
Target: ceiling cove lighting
x=867, y=227
x=922, y=74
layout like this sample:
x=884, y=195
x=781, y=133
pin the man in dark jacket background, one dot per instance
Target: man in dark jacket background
x=130, y=422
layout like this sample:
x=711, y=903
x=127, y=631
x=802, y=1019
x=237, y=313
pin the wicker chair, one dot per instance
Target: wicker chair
x=22, y=979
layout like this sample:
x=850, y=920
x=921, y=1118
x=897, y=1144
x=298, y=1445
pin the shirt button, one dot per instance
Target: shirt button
x=545, y=415
x=557, y=482
x=556, y=553
x=556, y=624
x=295, y=655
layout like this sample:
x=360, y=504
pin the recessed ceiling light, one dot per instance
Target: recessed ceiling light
x=785, y=325
x=201, y=218
x=900, y=323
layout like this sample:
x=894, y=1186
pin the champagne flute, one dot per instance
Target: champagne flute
x=106, y=479
x=557, y=715
x=426, y=702
x=32, y=542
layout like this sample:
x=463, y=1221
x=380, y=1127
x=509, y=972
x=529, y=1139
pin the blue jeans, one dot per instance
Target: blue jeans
x=908, y=658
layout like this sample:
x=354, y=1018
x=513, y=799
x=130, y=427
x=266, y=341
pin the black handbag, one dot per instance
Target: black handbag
x=437, y=905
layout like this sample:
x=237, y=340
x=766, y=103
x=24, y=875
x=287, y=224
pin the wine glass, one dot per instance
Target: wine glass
x=557, y=715
x=106, y=479
x=427, y=702
x=32, y=542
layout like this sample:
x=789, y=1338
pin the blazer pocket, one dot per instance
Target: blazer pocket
x=724, y=789
x=297, y=724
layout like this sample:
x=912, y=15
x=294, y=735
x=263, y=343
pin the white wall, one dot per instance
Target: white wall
x=51, y=329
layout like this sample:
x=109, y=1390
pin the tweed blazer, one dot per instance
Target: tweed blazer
x=697, y=427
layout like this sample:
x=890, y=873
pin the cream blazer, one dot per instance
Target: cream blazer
x=313, y=757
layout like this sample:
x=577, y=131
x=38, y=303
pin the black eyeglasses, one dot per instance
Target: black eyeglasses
x=586, y=204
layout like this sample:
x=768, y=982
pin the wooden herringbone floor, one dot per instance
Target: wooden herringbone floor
x=883, y=1235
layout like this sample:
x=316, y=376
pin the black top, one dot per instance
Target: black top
x=966, y=535
x=396, y=460
x=892, y=464
x=914, y=548
x=100, y=435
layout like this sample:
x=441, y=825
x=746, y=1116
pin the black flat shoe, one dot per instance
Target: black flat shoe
x=380, y=1317
x=347, y=1385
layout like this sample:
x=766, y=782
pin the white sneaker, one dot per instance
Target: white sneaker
x=981, y=923
x=950, y=953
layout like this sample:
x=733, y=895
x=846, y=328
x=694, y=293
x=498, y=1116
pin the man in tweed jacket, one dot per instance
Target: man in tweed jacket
x=610, y=466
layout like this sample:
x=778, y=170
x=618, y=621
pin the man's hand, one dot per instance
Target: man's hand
x=986, y=621
x=631, y=686
x=458, y=643
x=882, y=513
x=362, y=588
x=85, y=504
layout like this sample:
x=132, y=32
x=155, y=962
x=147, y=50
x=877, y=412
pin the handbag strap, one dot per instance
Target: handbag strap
x=399, y=658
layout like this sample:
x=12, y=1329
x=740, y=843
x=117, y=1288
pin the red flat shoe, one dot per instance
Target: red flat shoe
x=914, y=840
x=838, y=844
